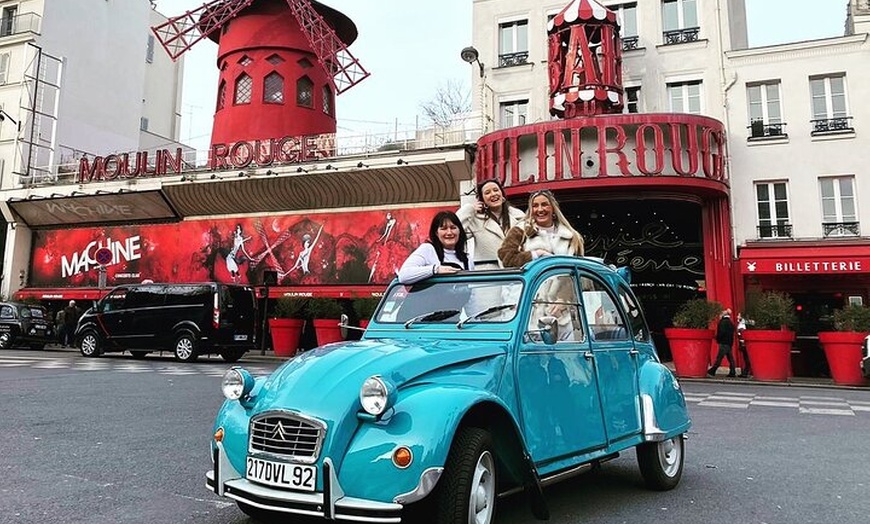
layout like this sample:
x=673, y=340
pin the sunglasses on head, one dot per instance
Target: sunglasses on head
x=545, y=192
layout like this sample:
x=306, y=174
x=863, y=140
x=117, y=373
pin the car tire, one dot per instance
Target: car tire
x=90, y=344
x=185, y=347
x=139, y=355
x=661, y=463
x=468, y=487
x=232, y=355
x=5, y=340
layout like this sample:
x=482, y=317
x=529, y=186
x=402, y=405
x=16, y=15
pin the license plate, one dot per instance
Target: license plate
x=240, y=337
x=281, y=474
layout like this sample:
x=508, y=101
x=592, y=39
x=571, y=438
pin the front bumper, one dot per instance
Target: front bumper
x=331, y=504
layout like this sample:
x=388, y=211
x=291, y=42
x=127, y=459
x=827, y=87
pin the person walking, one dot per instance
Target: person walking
x=60, y=326
x=71, y=315
x=444, y=252
x=725, y=339
x=741, y=345
x=544, y=231
x=487, y=221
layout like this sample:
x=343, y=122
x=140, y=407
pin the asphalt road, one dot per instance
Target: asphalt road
x=114, y=440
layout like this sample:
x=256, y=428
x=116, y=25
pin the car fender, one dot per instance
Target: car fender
x=424, y=419
x=665, y=414
x=186, y=325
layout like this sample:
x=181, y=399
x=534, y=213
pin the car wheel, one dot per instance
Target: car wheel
x=467, y=492
x=89, y=345
x=138, y=355
x=5, y=340
x=661, y=463
x=232, y=355
x=185, y=348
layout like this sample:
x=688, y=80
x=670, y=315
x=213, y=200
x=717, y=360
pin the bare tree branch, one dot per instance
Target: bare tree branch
x=451, y=100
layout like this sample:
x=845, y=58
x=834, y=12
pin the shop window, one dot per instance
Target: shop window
x=830, y=105
x=772, y=207
x=244, y=90
x=273, y=89
x=513, y=43
x=679, y=21
x=685, y=97
x=765, y=110
x=839, y=211
x=512, y=114
x=305, y=92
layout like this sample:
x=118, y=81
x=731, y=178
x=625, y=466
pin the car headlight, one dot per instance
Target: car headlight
x=376, y=395
x=236, y=383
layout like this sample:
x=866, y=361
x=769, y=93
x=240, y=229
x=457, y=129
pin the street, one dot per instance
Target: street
x=114, y=440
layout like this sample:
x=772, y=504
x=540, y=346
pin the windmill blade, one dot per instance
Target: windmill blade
x=343, y=68
x=180, y=33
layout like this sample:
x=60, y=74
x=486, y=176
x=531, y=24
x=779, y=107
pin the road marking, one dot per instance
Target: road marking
x=824, y=411
x=776, y=403
x=724, y=404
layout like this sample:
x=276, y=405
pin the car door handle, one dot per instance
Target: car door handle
x=634, y=352
x=588, y=355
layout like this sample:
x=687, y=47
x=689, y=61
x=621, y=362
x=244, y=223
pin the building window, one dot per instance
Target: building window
x=149, y=50
x=245, y=61
x=4, y=68
x=685, y=97
x=772, y=199
x=839, y=215
x=830, y=105
x=765, y=110
x=327, y=100
x=274, y=59
x=627, y=16
x=273, y=89
x=7, y=22
x=513, y=43
x=221, y=95
x=244, y=89
x=305, y=92
x=680, y=21
x=143, y=124
x=632, y=100
x=513, y=114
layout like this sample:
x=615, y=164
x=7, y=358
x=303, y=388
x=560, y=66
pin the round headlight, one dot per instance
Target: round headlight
x=374, y=396
x=236, y=383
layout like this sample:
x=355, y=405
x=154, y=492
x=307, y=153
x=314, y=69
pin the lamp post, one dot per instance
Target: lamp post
x=471, y=56
x=4, y=115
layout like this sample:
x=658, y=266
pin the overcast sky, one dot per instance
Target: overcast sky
x=410, y=47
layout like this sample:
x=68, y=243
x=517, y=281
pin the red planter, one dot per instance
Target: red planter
x=285, y=335
x=364, y=323
x=327, y=330
x=843, y=351
x=690, y=349
x=770, y=353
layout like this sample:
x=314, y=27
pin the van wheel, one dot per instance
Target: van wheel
x=661, y=463
x=467, y=490
x=89, y=345
x=138, y=355
x=5, y=340
x=232, y=355
x=185, y=348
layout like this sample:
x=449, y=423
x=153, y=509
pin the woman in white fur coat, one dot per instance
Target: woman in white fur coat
x=545, y=231
x=487, y=221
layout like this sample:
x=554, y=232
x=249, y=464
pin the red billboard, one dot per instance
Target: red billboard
x=365, y=247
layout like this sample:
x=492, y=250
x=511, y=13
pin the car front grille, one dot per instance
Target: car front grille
x=287, y=435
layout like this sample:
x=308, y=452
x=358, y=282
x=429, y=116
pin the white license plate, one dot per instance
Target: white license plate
x=240, y=337
x=281, y=474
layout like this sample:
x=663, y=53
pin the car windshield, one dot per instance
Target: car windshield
x=451, y=302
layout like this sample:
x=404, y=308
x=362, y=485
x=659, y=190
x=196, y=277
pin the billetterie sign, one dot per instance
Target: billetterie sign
x=238, y=155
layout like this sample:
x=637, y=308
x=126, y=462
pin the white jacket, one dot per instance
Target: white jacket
x=423, y=263
x=485, y=232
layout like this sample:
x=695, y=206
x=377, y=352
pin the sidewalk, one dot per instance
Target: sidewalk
x=804, y=382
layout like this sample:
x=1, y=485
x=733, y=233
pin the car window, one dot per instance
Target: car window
x=186, y=295
x=556, y=297
x=635, y=316
x=602, y=313
x=114, y=300
x=466, y=299
x=146, y=296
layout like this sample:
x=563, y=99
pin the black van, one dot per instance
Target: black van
x=25, y=325
x=189, y=319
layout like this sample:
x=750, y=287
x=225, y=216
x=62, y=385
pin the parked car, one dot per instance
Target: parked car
x=188, y=319
x=462, y=388
x=25, y=325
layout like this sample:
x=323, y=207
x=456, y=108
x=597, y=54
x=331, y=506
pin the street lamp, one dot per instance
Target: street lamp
x=4, y=115
x=471, y=55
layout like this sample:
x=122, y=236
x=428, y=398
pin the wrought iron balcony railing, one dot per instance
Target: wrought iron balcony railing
x=775, y=231
x=681, y=36
x=513, y=59
x=23, y=23
x=842, y=124
x=630, y=43
x=758, y=129
x=841, y=229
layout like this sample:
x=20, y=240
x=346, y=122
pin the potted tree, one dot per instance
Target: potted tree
x=325, y=314
x=843, y=346
x=365, y=308
x=769, y=337
x=286, y=325
x=691, y=337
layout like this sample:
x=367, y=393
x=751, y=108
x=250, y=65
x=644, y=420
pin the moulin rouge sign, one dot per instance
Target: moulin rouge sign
x=239, y=155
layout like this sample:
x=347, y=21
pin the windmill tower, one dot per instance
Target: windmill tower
x=281, y=62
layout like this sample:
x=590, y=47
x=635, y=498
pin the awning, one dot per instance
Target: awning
x=94, y=209
x=81, y=293
x=843, y=259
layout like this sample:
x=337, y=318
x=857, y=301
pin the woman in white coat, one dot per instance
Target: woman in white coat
x=487, y=221
x=545, y=231
x=444, y=252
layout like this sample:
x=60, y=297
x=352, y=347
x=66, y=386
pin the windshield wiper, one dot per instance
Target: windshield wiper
x=432, y=315
x=487, y=311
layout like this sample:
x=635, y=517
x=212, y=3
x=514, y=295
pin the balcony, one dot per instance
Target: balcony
x=825, y=126
x=513, y=59
x=775, y=231
x=841, y=229
x=759, y=130
x=19, y=24
x=630, y=43
x=681, y=36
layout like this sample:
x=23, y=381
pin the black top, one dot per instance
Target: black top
x=725, y=331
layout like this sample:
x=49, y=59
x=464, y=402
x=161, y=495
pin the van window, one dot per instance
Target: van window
x=185, y=295
x=114, y=300
x=139, y=297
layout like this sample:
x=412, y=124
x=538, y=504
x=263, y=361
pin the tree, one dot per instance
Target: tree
x=451, y=100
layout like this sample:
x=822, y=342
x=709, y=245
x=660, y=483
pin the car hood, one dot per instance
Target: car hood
x=325, y=382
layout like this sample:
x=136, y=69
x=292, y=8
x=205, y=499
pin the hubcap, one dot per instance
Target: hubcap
x=4, y=340
x=670, y=452
x=184, y=348
x=481, y=502
x=89, y=345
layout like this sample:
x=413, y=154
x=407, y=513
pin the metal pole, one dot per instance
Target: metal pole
x=265, y=316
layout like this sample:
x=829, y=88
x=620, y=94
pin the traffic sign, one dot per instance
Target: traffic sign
x=103, y=256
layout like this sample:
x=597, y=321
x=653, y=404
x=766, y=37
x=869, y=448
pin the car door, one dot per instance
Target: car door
x=143, y=319
x=615, y=358
x=559, y=399
x=113, y=316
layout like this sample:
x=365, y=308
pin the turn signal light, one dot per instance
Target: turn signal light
x=219, y=435
x=402, y=457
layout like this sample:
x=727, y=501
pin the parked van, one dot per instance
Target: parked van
x=188, y=319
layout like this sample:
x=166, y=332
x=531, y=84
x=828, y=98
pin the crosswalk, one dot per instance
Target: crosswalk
x=804, y=404
x=214, y=368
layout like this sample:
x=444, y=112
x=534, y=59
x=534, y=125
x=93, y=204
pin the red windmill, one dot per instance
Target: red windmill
x=281, y=64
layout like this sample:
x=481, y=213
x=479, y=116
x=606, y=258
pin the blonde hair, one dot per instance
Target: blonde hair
x=558, y=219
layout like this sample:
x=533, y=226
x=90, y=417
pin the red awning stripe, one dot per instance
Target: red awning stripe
x=581, y=10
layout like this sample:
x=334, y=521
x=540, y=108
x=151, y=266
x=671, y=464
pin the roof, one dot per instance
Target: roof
x=583, y=10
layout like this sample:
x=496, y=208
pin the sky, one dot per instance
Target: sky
x=411, y=47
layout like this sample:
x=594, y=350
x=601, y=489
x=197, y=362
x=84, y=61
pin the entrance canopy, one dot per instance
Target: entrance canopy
x=95, y=209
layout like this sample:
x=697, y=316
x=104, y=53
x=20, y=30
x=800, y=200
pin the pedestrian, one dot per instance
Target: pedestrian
x=544, y=231
x=443, y=253
x=725, y=339
x=71, y=315
x=60, y=326
x=741, y=345
x=487, y=221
